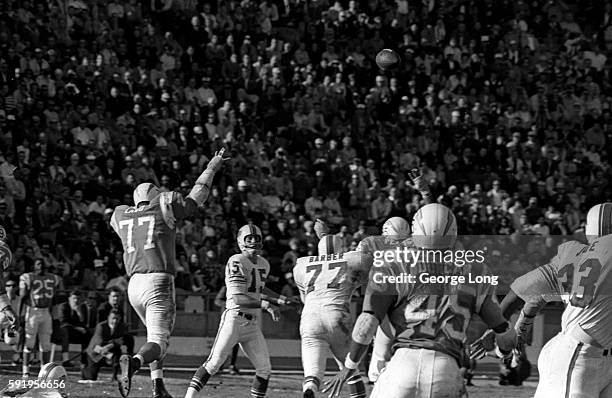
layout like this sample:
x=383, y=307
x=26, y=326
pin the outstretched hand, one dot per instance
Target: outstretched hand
x=217, y=160
x=335, y=384
x=417, y=179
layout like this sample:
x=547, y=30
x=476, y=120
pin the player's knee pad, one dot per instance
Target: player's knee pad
x=311, y=383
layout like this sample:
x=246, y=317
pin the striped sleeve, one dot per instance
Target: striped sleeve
x=235, y=277
x=541, y=282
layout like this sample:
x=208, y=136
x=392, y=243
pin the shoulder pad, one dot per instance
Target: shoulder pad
x=570, y=248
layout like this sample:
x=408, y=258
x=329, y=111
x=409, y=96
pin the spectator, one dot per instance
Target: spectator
x=73, y=327
x=106, y=346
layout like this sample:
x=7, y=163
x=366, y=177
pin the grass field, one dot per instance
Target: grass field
x=285, y=385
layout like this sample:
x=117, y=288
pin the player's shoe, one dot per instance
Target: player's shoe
x=125, y=377
x=159, y=389
x=309, y=394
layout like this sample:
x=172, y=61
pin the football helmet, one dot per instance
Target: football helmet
x=145, y=192
x=434, y=227
x=598, y=221
x=6, y=256
x=396, y=228
x=330, y=244
x=251, y=247
x=53, y=372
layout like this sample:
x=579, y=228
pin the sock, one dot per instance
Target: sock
x=157, y=374
x=259, y=387
x=356, y=386
x=311, y=383
x=46, y=357
x=198, y=381
x=25, y=367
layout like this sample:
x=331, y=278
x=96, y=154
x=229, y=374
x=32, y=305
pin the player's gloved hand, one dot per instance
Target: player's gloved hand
x=217, y=161
x=524, y=328
x=417, y=179
x=480, y=347
x=320, y=228
x=9, y=317
x=274, y=313
x=334, y=385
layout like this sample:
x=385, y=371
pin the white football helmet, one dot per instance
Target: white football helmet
x=6, y=256
x=434, y=227
x=330, y=244
x=54, y=373
x=245, y=231
x=145, y=192
x=396, y=228
x=598, y=221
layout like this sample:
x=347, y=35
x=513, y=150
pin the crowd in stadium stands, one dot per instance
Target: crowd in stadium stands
x=505, y=105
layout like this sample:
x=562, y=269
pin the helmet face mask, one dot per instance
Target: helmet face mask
x=250, y=239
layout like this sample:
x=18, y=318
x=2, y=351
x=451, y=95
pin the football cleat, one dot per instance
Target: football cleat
x=125, y=378
x=159, y=389
x=145, y=192
x=598, y=221
x=434, y=227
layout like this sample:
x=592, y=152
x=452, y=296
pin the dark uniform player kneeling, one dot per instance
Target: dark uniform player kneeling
x=106, y=346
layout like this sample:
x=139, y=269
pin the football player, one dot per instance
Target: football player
x=8, y=318
x=326, y=283
x=245, y=278
x=148, y=231
x=395, y=234
x=577, y=362
x=430, y=320
x=37, y=290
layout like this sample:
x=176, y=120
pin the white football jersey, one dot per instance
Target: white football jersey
x=242, y=276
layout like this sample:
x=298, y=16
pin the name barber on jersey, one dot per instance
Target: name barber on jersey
x=431, y=267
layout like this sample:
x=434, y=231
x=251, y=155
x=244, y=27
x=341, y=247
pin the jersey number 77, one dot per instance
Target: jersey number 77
x=142, y=223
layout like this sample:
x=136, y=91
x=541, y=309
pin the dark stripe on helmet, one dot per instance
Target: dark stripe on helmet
x=606, y=219
x=449, y=222
x=329, y=243
x=151, y=186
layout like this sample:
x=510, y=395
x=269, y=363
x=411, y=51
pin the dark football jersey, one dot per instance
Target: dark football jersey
x=148, y=232
x=434, y=316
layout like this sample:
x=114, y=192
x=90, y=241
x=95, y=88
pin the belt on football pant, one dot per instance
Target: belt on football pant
x=248, y=317
x=581, y=335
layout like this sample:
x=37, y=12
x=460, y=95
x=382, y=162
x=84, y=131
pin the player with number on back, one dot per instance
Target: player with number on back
x=37, y=290
x=430, y=320
x=148, y=232
x=245, y=278
x=395, y=234
x=326, y=284
x=578, y=361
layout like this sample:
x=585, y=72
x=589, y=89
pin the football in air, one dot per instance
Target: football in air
x=387, y=59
